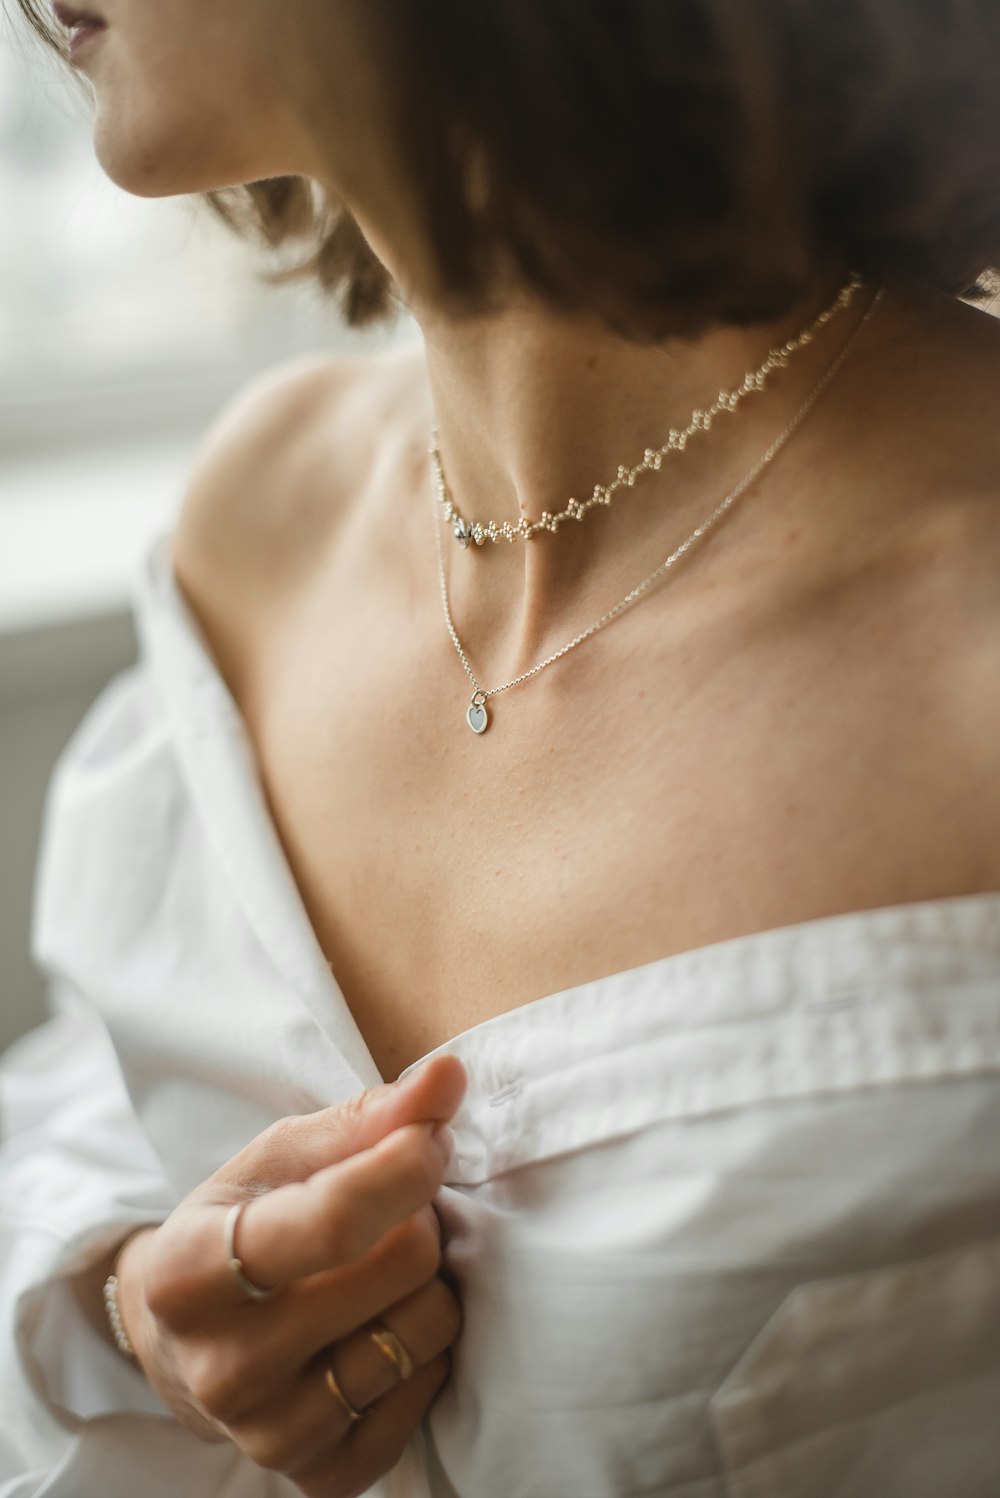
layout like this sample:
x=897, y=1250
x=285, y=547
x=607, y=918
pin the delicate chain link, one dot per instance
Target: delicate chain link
x=482, y=695
x=677, y=440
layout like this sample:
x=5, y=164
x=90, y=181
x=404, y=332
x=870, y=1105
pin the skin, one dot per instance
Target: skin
x=338, y=1221
x=803, y=721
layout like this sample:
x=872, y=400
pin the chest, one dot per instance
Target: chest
x=622, y=806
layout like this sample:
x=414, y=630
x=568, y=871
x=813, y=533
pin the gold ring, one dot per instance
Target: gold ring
x=387, y=1342
x=342, y=1399
x=235, y=1265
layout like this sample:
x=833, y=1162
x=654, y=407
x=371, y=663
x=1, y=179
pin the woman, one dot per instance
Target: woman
x=629, y=759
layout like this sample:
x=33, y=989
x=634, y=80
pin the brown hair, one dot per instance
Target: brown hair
x=666, y=164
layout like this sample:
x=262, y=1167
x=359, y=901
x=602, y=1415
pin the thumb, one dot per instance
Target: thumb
x=431, y=1093
x=294, y=1148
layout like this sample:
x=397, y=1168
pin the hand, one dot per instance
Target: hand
x=339, y=1220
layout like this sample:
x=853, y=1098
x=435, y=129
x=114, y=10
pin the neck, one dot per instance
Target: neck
x=532, y=409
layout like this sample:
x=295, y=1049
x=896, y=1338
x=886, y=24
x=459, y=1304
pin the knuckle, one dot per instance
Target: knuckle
x=329, y=1129
x=433, y=1221
x=280, y=1153
x=421, y=1175
x=276, y=1132
x=161, y=1297
x=273, y=1131
x=432, y=1317
x=436, y=1374
x=342, y=1237
x=356, y=1107
x=168, y=1282
x=427, y=1254
x=447, y=1311
x=214, y=1389
x=280, y=1139
x=420, y=1162
x=431, y=1174
x=269, y=1449
x=419, y=1246
x=209, y=1395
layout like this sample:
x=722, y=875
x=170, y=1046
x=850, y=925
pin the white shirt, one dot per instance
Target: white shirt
x=724, y=1224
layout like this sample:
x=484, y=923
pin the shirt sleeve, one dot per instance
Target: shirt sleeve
x=76, y=1174
x=78, y=1420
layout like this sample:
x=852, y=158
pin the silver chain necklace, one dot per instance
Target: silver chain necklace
x=476, y=714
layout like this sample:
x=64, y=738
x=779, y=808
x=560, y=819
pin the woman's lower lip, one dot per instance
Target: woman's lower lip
x=83, y=36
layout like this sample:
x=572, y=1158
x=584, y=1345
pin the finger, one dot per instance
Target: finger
x=187, y=1280
x=373, y=1445
x=339, y=1213
x=401, y=1271
x=294, y=1148
x=188, y=1288
x=425, y=1323
x=294, y=1430
x=252, y=1359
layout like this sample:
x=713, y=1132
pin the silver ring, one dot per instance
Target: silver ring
x=235, y=1266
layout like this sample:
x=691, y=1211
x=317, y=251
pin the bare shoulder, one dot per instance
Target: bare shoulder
x=251, y=470
x=273, y=478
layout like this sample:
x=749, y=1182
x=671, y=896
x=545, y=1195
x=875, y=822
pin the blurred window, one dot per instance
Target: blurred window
x=119, y=315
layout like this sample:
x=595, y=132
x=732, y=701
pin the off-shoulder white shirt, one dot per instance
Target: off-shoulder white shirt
x=724, y=1224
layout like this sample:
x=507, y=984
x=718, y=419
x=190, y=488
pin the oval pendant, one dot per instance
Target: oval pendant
x=477, y=717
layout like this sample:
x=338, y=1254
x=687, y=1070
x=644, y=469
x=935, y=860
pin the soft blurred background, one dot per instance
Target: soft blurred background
x=125, y=325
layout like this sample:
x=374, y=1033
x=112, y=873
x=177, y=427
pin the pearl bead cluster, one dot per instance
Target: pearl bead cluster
x=652, y=459
x=118, y=1331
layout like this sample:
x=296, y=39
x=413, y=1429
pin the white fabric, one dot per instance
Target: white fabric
x=724, y=1224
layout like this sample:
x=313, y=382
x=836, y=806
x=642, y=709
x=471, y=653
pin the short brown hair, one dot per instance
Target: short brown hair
x=667, y=164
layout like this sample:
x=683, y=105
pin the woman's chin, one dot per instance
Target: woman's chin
x=141, y=179
x=150, y=171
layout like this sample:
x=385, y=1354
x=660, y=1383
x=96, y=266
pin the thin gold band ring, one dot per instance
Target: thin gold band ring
x=342, y=1399
x=387, y=1341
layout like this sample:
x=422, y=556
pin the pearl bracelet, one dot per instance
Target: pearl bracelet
x=121, y=1336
